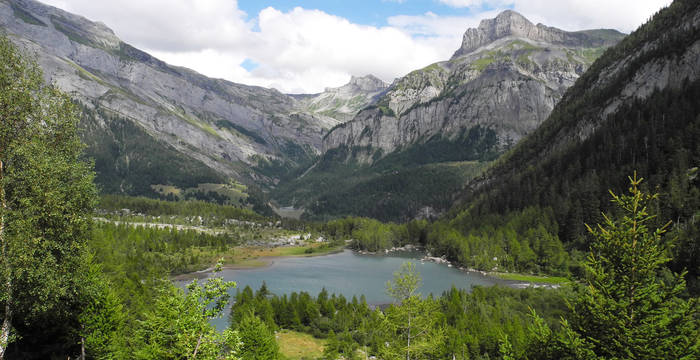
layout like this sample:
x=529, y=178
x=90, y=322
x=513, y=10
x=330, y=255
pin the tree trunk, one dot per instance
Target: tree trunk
x=82, y=348
x=7, y=321
x=6, y=325
x=408, y=347
x=196, y=348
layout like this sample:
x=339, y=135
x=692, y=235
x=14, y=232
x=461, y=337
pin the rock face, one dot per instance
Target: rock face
x=227, y=126
x=344, y=102
x=510, y=23
x=506, y=77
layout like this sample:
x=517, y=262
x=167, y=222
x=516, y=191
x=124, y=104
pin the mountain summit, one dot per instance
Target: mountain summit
x=510, y=23
x=500, y=85
x=505, y=79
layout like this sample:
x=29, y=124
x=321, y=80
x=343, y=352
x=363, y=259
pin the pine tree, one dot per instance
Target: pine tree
x=626, y=310
x=258, y=342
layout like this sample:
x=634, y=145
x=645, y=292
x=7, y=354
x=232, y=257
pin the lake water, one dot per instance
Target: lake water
x=349, y=274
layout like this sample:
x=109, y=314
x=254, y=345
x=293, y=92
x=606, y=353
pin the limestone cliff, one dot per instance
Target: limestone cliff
x=227, y=126
x=343, y=103
x=506, y=77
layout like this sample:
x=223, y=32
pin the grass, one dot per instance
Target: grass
x=295, y=345
x=249, y=256
x=554, y=280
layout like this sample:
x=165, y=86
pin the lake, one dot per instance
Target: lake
x=350, y=274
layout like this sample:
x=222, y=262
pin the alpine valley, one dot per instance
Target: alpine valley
x=366, y=148
x=547, y=182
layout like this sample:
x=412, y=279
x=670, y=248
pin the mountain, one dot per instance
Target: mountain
x=636, y=109
x=343, y=103
x=505, y=79
x=433, y=130
x=157, y=123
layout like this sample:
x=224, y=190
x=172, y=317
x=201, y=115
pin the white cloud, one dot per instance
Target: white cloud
x=306, y=50
x=623, y=15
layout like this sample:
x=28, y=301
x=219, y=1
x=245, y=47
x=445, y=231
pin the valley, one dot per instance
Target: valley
x=533, y=196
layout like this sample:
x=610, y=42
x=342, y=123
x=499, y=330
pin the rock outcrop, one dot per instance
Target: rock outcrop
x=343, y=103
x=227, y=126
x=506, y=77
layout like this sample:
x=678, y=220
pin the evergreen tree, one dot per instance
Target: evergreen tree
x=258, y=342
x=626, y=310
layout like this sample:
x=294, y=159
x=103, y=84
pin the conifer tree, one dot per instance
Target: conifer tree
x=626, y=311
x=258, y=342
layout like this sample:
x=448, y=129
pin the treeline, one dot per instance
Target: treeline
x=656, y=137
x=153, y=207
x=472, y=321
x=526, y=241
x=394, y=188
x=139, y=250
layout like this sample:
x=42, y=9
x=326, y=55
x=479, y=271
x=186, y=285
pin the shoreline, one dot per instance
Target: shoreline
x=266, y=261
x=260, y=262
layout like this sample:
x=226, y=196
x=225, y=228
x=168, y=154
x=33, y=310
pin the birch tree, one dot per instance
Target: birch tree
x=46, y=198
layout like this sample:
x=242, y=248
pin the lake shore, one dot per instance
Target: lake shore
x=260, y=257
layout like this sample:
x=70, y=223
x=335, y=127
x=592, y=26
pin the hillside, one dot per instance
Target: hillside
x=635, y=109
x=200, y=129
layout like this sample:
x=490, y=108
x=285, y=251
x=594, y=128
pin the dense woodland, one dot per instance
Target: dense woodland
x=393, y=187
x=71, y=287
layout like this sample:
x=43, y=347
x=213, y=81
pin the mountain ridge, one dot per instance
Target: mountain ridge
x=506, y=83
x=511, y=23
x=231, y=128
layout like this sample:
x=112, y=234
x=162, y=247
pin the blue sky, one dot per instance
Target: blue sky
x=305, y=46
x=365, y=12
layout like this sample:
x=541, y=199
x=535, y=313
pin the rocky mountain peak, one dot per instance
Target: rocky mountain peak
x=512, y=24
x=368, y=83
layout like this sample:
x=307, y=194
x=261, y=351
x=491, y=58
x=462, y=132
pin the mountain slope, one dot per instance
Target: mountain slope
x=227, y=127
x=343, y=103
x=449, y=120
x=636, y=109
x=506, y=77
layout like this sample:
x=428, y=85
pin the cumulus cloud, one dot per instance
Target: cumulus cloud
x=623, y=15
x=305, y=50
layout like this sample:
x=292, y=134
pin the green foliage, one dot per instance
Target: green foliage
x=405, y=283
x=178, y=327
x=258, y=342
x=102, y=319
x=152, y=207
x=128, y=160
x=46, y=199
x=395, y=187
x=153, y=253
x=412, y=323
x=626, y=310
